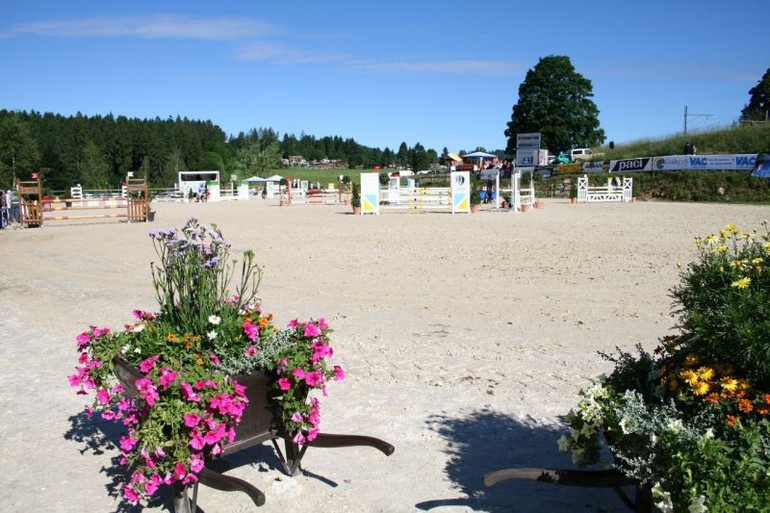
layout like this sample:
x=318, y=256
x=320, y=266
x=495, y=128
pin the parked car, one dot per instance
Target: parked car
x=581, y=154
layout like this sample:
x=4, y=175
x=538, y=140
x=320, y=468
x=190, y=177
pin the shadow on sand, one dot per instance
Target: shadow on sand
x=98, y=437
x=485, y=441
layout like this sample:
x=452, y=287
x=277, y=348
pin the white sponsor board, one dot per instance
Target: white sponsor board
x=527, y=149
x=739, y=161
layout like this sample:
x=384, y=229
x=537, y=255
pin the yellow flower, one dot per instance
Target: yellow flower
x=729, y=384
x=706, y=373
x=741, y=284
x=689, y=376
x=720, y=249
x=701, y=388
x=731, y=228
x=711, y=240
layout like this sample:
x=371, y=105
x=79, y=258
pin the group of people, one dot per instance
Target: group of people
x=9, y=208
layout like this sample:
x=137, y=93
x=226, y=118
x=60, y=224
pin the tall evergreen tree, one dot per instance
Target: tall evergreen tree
x=94, y=169
x=555, y=100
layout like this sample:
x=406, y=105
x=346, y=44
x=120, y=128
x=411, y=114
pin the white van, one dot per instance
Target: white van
x=581, y=154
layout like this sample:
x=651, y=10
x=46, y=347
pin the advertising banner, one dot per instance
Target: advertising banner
x=631, y=165
x=527, y=149
x=721, y=162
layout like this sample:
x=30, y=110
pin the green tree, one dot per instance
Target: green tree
x=402, y=157
x=94, y=170
x=555, y=100
x=18, y=150
x=258, y=157
x=758, y=108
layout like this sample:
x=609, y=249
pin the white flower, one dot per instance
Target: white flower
x=662, y=498
x=125, y=348
x=139, y=327
x=709, y=434
x=577, y=456
x=675, y=426
x=564, y=444
x=137, y=350
x=212, y=335
x=587, y=430
x=697, y=505
x=213, y=319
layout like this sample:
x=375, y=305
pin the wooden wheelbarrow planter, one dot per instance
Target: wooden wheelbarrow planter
x=258, y=425
x=611, y=478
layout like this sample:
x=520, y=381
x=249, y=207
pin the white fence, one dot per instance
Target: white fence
x=615, y=190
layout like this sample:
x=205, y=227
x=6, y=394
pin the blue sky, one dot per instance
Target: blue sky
x=439, y=73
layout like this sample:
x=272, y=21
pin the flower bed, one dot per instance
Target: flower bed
x=186, y=401
x=692, y=419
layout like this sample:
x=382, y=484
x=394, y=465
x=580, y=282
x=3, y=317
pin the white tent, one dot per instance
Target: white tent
x=274, y=178
x=255, y=179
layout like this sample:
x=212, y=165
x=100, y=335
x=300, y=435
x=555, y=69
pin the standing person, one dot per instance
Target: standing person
x=13, y=202
x=3, y=211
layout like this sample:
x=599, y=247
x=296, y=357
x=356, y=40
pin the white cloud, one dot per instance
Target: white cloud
x=284, y=54
x=153, y=27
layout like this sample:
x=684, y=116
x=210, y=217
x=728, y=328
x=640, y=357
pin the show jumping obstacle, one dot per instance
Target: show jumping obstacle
x=299, y=192
x=623, y=192
x=454, y=199
x=521, y=199
x=34, y=209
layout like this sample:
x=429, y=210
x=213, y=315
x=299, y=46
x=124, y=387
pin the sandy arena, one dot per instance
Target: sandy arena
x=465, y=339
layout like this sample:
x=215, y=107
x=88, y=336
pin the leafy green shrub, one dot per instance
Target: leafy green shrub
x=692, y=419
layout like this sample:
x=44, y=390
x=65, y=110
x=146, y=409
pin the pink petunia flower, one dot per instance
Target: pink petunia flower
x=311, y=330
x=339, y=373
x=191, y=420
x=148, y=364
x=167, y=376
x=251, y=331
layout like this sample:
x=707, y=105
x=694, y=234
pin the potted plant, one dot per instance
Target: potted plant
x=174, y=377
x=355, y=200
x=345, y=188
x=475, y=196
x=691, y=420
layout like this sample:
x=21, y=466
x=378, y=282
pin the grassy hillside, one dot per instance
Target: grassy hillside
x=740, y=139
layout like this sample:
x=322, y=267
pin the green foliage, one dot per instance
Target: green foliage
x=692, y=420
x=94, y=170
x=194, y=275
x=555, y=100
x=724, y=303
x=355, y=198
x=758, y=108
x=736, y=139
x=18, y=149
